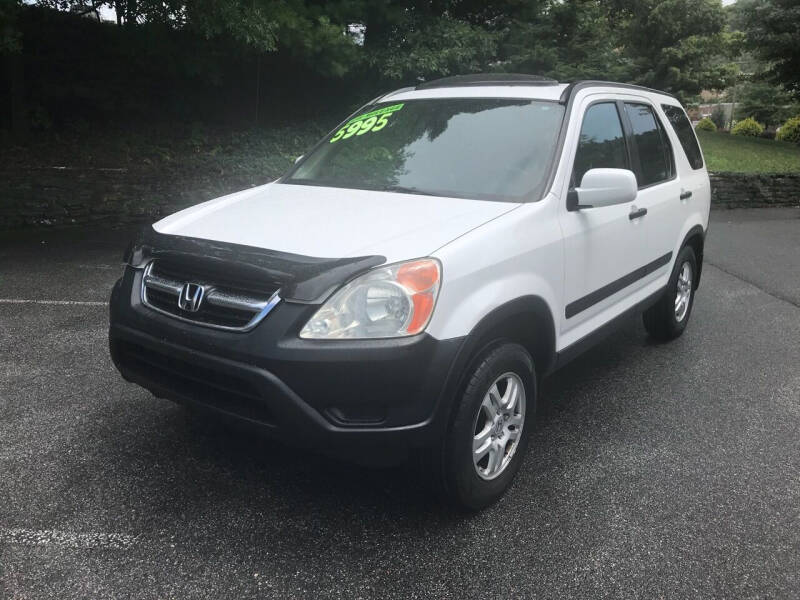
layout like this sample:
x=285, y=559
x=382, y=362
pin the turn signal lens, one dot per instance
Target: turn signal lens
x=421, y=278
x=392, y=301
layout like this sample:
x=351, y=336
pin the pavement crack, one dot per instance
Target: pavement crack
x=775, y=295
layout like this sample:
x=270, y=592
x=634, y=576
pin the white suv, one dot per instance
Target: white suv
x=406, y=284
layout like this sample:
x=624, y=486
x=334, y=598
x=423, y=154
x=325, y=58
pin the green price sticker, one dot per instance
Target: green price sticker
x=372, y=121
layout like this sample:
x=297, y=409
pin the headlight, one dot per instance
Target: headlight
x=393, y=301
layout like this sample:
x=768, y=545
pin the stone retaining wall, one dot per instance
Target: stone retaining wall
x=62, y=196
x=737, y=190
x=65, y=196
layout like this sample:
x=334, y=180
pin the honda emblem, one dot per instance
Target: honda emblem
x=191, y=297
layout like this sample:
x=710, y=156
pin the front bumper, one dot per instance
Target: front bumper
x=331, y=395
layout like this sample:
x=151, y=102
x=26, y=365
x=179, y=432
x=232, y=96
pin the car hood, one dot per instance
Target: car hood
x=333, y=222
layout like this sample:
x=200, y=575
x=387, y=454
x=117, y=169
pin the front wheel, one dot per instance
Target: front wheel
x=667, y=319
x=489, y=434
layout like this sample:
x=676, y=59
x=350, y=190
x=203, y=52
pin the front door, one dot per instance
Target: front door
x=603, y=246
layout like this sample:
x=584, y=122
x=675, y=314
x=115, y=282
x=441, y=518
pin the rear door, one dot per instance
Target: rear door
x=695, y=189
x=660, y=186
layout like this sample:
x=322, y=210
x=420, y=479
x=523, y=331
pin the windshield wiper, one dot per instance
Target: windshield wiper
x=408, y=190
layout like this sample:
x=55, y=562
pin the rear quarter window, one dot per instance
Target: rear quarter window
x=683, y=129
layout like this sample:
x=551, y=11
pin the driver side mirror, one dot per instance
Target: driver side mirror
x=603, y=187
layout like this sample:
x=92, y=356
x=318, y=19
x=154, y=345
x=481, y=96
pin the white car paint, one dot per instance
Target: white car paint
x=491, y=252
x=546, y=251
x=333, y=222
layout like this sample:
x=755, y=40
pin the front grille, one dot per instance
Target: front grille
x=213, y=298
x=189, y=381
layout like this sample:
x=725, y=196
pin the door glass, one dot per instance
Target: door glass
x=683, y=129
x=602, y=143
x=654, y=155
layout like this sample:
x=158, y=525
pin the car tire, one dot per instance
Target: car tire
x=667, y=319
x=496, y=411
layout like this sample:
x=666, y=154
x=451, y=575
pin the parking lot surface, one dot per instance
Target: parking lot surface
x=658, y=471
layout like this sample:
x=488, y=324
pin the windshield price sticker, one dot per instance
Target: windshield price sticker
x=375, y=120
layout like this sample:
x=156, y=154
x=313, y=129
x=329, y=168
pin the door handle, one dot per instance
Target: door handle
x=686, y=195
x=636, y=213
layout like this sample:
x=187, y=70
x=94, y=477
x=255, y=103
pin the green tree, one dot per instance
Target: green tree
x=765, y=102
x=12, y=67
x=10, y=42
x=675, y=45
x=772, y=28
x=573, y=39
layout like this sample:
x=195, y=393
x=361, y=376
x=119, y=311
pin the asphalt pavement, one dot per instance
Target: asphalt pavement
x=659, y=471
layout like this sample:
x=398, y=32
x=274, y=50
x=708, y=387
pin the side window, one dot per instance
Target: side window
x=655, y=154
x=683, y=129
x=601, y=143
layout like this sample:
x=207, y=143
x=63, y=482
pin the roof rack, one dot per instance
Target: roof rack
x=576, y=85
x=486, y=79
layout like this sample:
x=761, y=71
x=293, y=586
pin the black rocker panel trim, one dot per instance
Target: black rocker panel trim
x=592, y=339
x=589, y=300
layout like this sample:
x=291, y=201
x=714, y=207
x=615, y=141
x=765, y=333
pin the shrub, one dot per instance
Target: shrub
x=749, y=127
x=790, y=131
x=705, y=124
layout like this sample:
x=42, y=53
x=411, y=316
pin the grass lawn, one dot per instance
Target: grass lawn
x=725, y=152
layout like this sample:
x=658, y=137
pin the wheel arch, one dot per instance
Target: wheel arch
x=526, y=320
x=695, y=238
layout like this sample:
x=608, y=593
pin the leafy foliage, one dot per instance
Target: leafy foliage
x=10, y=36
x=749, y=127
x=668, y=44
x=564, y=40
x=765, y=102
x=790, y=131
x=180, y=56
x=705, y=124
x=773, y=35
x=433, y=48
x=676, y=45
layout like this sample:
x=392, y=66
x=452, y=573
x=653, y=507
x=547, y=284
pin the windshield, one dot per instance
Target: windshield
x=481, y=148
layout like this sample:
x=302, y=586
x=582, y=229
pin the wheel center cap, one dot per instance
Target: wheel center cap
x=498, y=427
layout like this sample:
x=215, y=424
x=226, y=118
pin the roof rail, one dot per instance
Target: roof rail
x=584, y=83
x=486, y=79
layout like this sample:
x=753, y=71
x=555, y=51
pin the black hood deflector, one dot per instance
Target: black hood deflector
x=301, y=278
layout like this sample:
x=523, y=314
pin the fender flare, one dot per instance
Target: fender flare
x=696, y=231
x=495, y=327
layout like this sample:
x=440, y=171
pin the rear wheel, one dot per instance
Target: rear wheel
x=489, y=434
x=667, y=319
